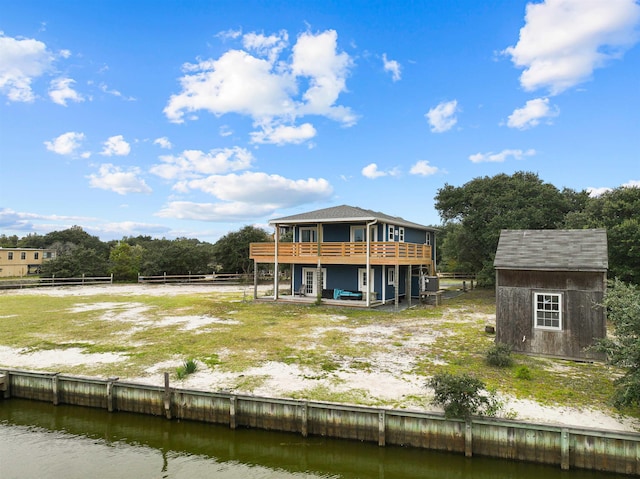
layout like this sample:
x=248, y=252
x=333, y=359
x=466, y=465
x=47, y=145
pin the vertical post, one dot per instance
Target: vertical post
x=408, y=288
x=5, y=384
x=54, y=388
x=304, y=419
x=396, y=282
x=564, y=449
x=165, y=277
x=276, y=265
x=167, y=396
x=464, y=286
x=255, y=280
x=381, y=428
x=232, y=412
x=110, y=395
x=468, y=439
x=82, y=278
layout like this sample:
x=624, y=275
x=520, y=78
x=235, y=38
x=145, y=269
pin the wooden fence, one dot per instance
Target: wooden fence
x=53, y=281
x=566, y=447
x=223, y=278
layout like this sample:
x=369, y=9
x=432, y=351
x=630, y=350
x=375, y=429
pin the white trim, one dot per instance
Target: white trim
x=549, y=316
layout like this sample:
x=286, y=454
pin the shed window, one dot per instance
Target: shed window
x=548, y=311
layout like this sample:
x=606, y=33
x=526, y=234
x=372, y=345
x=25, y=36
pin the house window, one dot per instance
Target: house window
x=36, y=255
x=23, y=255
x=391, y=276
x=428, y=240
x=548, y=311
x=308, y=235
x=10, y=255
x=401, y=235
x=358, y=234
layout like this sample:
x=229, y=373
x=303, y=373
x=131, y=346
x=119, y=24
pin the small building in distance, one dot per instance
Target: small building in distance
x=17, y=262
x=549, y=288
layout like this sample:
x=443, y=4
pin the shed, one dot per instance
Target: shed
x=549, y=288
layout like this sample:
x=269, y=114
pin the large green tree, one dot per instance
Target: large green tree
x=232, y=250
x=475, y=213
x=618, y=211
x=125, y=261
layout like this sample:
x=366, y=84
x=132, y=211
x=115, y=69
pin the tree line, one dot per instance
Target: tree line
x=472, y=217
x=78, y=253
x=474, y=214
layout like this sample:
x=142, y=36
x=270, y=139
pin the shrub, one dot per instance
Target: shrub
x=459, y=396
x=188, y=367
x=523, y=372
x=499, y=355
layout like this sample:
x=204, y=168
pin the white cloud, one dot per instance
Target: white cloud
x=423, y=168
x=266, y=46
x=247, y=196
x=596, y=192
x=163, y=142
x=261, y=188
x=563, y=41
x=196, y=163
x=116, y=146
x=501, y=157
x=270, y=90
x=531, y=114
x=391, y=66
x=21, y=61
x=443, y=116
x=281, y=134
x=113, y=178
x=372, y=172
x=60, y=91
x=222, y=212
x=65, y=144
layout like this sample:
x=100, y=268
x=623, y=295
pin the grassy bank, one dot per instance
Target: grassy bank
x=227, y=334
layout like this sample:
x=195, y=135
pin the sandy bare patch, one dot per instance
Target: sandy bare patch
x=49, y=359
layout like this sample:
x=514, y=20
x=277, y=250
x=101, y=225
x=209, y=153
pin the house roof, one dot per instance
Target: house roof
x=563, y=250
x=345, y=214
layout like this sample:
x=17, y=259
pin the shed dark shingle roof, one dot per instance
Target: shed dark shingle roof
x=345, y=213
x=564, y=250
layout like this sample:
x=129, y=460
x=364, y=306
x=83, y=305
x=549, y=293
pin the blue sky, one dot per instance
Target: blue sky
x=195, y=118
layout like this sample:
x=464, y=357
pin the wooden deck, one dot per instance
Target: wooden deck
x=380, y=253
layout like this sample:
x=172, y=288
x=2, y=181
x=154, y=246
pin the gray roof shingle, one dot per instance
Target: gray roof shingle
x=345, y=214
x=564, y=250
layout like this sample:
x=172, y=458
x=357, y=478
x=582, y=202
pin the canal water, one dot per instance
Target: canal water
x=39, y=440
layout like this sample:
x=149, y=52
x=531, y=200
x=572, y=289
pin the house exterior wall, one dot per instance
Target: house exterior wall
x=346, y=277
x=22, y=261
x=583, y=321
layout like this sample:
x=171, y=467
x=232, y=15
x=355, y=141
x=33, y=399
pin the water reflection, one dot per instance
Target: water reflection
x=38, y=440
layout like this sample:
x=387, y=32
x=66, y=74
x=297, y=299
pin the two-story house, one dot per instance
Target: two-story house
x=23, y=261
x=350, y=253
